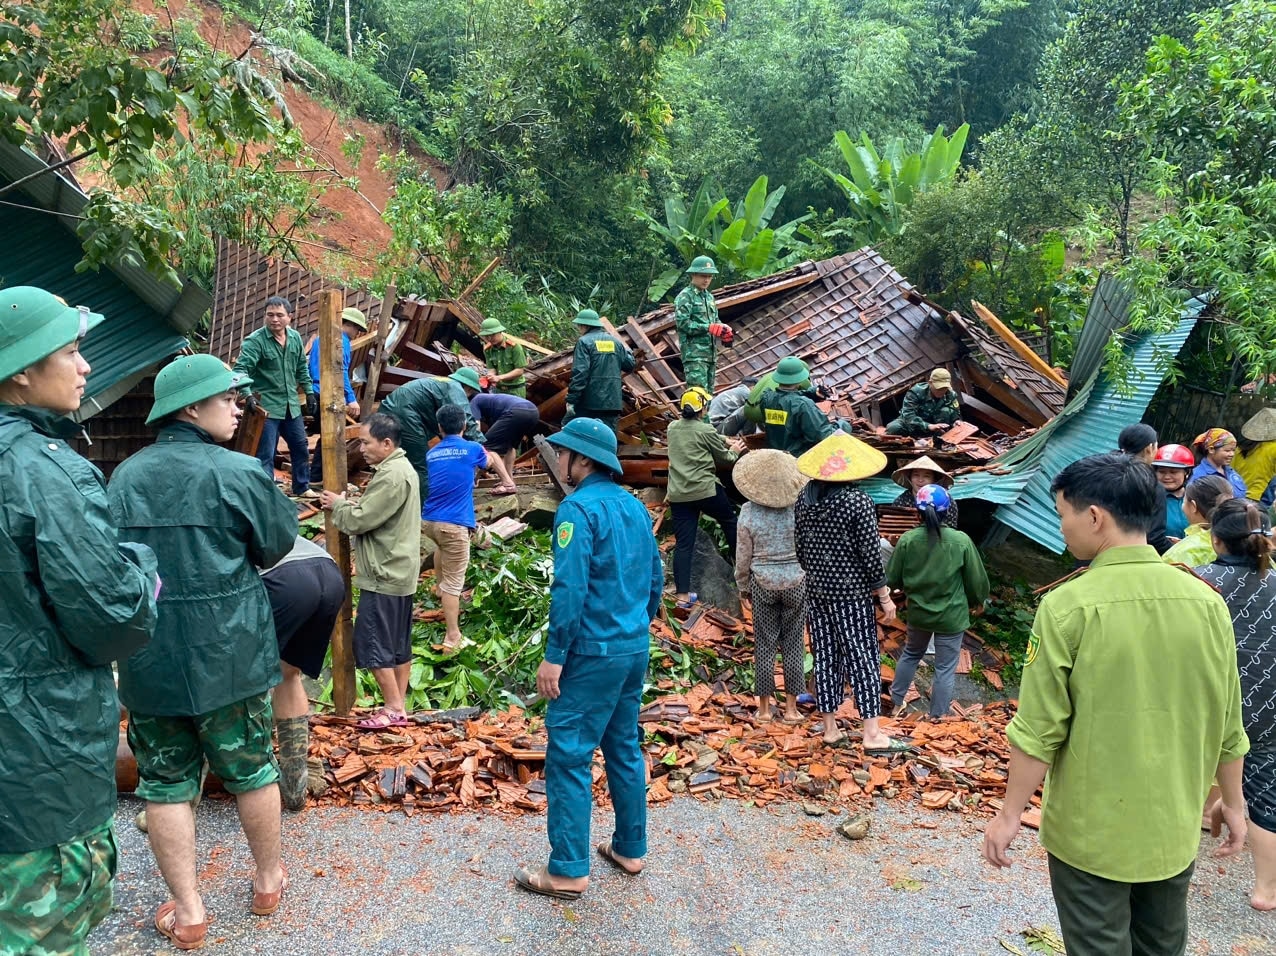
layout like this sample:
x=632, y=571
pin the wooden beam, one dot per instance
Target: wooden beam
x=332, y=409
x=1016, y=402
x=1035, y=361
x=549, y=458
x=479, y=279
x=990, y=416
x=384, y=320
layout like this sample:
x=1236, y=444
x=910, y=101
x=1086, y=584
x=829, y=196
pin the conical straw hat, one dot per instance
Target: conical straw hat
x=768, y=477
x=1262, y=427
x=841, y=458
x=923, y=463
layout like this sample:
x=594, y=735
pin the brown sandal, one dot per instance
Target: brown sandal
x=183, y=937
x=266, y=903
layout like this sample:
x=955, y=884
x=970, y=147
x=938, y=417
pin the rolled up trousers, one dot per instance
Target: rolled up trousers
x=597, y=706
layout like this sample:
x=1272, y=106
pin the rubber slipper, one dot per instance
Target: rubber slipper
x=188, y=937
x=383, y=720
x=794, y=721
x=896, y=747
x=266, y=903
x=537, y=881
x=502, y=492
x=608, y=854
x=842, y=743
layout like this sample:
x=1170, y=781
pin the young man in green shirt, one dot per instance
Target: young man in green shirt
x=1130, y=704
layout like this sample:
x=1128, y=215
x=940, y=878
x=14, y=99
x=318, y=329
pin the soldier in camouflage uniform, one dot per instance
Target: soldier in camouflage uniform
x=598, y=363
x=929, y=409
x=696, y=317
x=74, y=600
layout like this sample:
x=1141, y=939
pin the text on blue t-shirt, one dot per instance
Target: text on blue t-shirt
x=450, y=466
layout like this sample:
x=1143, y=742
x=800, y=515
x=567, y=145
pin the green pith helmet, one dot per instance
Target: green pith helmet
x=791, y=371
x=702, y=266
x=189, y=379
x=34, y=324
x=354, y=317
x=467, y=377
x=588, y=318
x=491, y=327
x=591, y=438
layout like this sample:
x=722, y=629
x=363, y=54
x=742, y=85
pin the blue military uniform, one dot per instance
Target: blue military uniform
x=600, y=613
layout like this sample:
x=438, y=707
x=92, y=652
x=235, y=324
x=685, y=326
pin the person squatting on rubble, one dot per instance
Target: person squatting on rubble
x=929, y=409
x=353, y=322
x=75, y=599
x=916, y=475
x=725, y=406
x=607, y=588
x=306, y=591
x=510, y=421
x=599, y=360
x=200, y=689
x=837, y=542
x=1171, y=465
x=416, y=405
x=1130, y=702
x=273, y=358
x=385, y=524
x=771, y=582
x=1242, y=573
x=792, y=420
x=1140, y=443
x=1203, y=495
x=939, y=569
x=506, y=360
x=695, y=316
x=696, y=452
x=1216, y=448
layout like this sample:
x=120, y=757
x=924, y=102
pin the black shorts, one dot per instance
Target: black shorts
x=511, y=428
x=305, y=598
x=383, y=630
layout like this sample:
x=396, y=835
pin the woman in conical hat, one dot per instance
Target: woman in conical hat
x=1255, y=459
x=917, y=474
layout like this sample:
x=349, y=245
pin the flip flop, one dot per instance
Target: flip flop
x=608, y=854
x=502, y=492
x=794, y=721
x=537, y=881
x=897, y=746
x=842, y=743
x=188, y=937
x=266, y=903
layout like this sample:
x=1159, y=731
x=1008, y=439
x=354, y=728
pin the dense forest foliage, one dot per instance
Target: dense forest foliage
x=1004, y=150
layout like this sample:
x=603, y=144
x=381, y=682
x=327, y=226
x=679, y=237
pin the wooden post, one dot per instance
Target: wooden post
x=332, y=412
x=384, y=321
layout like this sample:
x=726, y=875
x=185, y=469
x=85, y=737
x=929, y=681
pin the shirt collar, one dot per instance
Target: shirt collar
x=1233, y=560
x=46, y=421
x=184, y=431
x=1130, y=554
x=397, y=453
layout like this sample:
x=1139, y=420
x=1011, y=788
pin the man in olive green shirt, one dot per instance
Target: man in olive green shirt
x=387, y=559
x=1130, y=704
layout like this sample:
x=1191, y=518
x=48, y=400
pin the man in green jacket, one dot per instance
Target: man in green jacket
x=201, y=688
x=598, y=363
x=1130, y=704
x=506, y=359
x=386, y=523
x=929, y=409
x=416, y=405
x=793, y=422
x=695, y=316
x=274, y=359
x=74, y=600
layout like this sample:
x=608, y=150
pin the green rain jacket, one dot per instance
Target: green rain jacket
x=793, y=422
x=213, y=518
x=597, y=365
x=74, y=600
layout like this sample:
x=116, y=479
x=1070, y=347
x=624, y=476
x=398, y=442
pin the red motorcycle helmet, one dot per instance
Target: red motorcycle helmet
x=1173, y=456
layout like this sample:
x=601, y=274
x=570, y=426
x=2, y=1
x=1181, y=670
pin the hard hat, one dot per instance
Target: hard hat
x=591, y=438
x=354, y=317
x=1173, y=456
x=589, y=318
x=467, y=377
x=189, y=379
x=491, y=327
x=695, y=398
x=791, y=371
x=702, y=265
x=34, y=324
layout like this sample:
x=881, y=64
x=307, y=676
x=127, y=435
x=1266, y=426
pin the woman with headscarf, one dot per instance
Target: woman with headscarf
x=836, y=537
x=1255, y=459
x=941, y=572
x=769, y=576
x=1216, y=448
x=1241, y=573
x=917, y=474
x=1203, y=496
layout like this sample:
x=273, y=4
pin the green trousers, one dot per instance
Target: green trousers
x=1105, y=918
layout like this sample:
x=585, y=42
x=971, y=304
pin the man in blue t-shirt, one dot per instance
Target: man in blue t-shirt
x=448, y=512
x=510, y=420
x=353, y=323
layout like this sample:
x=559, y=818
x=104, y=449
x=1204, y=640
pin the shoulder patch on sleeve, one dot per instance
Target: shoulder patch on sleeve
x=563, y=535
x=1033, y=643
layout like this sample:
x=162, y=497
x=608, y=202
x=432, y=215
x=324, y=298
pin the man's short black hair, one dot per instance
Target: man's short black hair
x=279, y=300
x=382, y=427
x=1134, y=438
x=451, y=419
x=1122, y=486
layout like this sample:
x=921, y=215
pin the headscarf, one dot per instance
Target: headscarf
x=1213, y=439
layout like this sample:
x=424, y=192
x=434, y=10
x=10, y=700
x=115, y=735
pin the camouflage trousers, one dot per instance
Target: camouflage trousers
x=700, y=365
x=235, y=739
x=51, y=898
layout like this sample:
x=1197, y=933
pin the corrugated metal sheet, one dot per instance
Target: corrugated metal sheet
x=1089, y=425
x=998, y=489
x=1108, y=310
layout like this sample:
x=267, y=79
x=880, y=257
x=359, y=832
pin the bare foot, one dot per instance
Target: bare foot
x=1264, y=899
x=763, y=716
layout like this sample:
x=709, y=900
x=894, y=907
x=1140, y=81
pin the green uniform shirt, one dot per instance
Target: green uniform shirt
x=598, y=362
x=387, y=524
x=1131, y=694
x=793, y=422
x=921, y=408
x=942, y=582
x=695, y=452
x=277, y=371
x=505, y=358
x=213, y=518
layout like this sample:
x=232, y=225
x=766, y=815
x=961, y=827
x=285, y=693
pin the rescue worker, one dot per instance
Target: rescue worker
x=201, y=688
x=506, y=360
x=725, y=406
x=416, y=404
x=696, y=317
x=793, y=422
x=602, y=604
x=274, y=358
x=598, y=363
x=74, y=600
x=353, y=323
x=930, y=408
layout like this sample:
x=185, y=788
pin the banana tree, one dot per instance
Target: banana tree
x=883, y=185
x=739, y=239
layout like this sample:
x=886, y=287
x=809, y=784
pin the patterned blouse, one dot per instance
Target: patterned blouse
x=764, y=549
x=949, y=518
x=838, y=545
x=1252, y=601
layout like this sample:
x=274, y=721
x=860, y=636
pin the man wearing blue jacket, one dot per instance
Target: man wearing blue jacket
x=353, y=322
x=601, y=608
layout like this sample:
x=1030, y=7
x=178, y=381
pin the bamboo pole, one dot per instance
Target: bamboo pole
x=332, y=412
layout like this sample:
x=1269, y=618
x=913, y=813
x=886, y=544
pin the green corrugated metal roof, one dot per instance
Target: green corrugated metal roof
x=1088, y=425
x=999, y=489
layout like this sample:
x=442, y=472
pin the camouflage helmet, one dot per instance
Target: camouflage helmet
x=702, y=265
